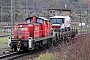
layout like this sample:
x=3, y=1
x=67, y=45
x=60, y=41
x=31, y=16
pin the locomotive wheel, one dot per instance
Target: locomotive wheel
x=37, y=45
x=48, y=43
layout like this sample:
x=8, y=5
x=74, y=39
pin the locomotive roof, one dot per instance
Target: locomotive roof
x=37, y=17
x=43, y=18
x=58, y=17
x=28, y=18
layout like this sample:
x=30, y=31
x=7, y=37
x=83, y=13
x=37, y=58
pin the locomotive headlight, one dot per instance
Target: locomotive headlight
x=9, y=42
x=25, y=45
x=20, y=25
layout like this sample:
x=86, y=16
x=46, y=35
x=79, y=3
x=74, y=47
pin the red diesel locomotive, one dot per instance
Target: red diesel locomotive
x=31, y=35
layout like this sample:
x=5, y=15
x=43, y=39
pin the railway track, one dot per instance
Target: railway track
x=15, y=55
x=6, y=56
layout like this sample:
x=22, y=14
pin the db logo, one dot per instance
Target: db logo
x=36, y=28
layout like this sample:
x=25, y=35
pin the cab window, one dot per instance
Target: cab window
x=39, y=21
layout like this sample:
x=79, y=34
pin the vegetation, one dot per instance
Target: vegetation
x=3, y=40
x=3, y=43
x=23, y=9
x=78, y=49
x=46, y=56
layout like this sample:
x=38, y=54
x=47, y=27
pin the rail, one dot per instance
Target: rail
x=5, y=35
